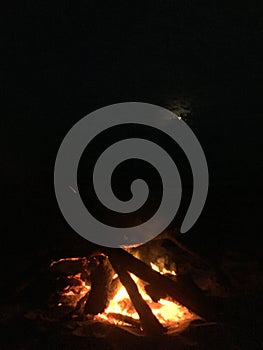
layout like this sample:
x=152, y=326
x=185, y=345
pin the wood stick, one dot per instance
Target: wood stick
x=125, y=319
x=149, y=323
x=172, y=235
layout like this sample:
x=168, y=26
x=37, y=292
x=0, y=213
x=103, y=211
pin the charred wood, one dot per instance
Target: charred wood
x=101, y=274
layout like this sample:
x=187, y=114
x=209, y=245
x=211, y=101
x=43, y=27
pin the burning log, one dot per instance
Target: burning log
x=101, y=274
x=149, y=322
x=185, y=293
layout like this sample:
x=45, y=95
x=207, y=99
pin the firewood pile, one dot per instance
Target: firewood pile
x=120, y=296
x=105, y=272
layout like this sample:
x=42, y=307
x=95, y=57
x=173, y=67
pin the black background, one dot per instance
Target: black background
x=62, y=61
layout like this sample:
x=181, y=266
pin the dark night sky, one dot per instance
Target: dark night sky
x=61, y=62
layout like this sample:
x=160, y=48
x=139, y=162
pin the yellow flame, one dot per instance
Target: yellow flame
x=163, y=271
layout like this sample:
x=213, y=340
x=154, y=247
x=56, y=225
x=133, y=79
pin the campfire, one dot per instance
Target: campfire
x=130, y=298
x=117, y=287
